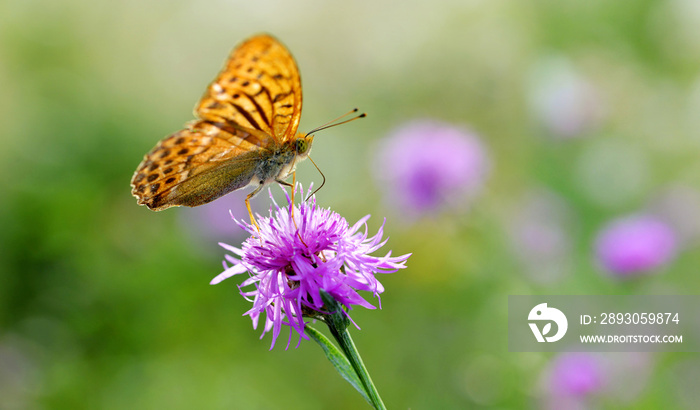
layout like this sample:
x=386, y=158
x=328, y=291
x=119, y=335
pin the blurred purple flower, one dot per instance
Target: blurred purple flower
x=575, y=375
x=288, y=266
x=635, y=244
x=579, y=380
x=425, y=165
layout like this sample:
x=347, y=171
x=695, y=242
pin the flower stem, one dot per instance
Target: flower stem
x=337, y=321
x=348, y=347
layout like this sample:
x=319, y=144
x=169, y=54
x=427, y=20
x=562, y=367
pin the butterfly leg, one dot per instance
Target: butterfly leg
x=247, y=204
x=285, y=183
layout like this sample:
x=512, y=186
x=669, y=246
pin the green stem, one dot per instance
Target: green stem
x=348, y=347
x=337, y=321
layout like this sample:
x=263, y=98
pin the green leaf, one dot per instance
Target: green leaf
x=338, y=359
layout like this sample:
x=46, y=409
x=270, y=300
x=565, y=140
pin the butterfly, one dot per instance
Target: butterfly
x=245, y=133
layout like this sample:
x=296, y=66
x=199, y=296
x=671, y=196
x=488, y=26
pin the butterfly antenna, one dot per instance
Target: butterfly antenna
x=333, y=123
x=327, y=125
x=322, y=183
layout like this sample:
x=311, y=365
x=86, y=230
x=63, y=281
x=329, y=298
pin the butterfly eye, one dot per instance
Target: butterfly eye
x=301, y=145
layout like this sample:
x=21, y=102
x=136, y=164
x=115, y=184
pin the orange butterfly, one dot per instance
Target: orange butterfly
x=245, y=134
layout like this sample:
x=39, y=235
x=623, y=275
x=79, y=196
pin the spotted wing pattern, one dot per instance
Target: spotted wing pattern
x=252, y=107
x=259, y=88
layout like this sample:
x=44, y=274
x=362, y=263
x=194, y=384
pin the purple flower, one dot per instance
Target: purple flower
x=425, y=165
x=635, y=244
x=582, y=380
x=290, y=260
x=575, y=375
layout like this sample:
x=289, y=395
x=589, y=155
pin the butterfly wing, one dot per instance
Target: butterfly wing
x=251, y=108
x=194, y=166
x=259, y=89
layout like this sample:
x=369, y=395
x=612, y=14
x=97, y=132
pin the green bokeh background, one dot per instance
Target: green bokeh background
x=104, y=304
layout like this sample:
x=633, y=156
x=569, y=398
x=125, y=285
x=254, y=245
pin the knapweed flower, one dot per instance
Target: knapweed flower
x=425, y=165
x=289, y=261
x=635, y=244
x=574, y=375
x=582, y=380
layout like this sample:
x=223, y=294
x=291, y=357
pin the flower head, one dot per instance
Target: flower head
x=426, y=165
x=635, y=244
x=576, y=374
x=290, y=261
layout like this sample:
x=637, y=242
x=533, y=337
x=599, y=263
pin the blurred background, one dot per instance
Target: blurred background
x=515, y=147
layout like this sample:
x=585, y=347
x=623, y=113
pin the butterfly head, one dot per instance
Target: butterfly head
x=302, y=145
